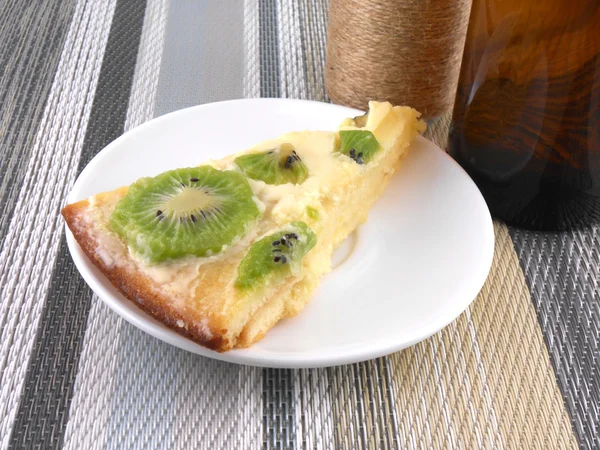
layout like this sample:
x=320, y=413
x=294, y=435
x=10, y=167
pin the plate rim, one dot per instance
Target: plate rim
x=148, y=324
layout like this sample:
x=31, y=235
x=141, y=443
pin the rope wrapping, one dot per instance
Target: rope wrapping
x=406, y=52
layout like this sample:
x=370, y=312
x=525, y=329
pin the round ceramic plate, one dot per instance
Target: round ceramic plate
x=412, y=268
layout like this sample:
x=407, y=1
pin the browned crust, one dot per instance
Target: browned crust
x=139, y=289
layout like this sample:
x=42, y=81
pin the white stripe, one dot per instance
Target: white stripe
x=291, y=58
x=147, y=68
x=442, y=361
x=321, y=403
x=301, y=396
x=422, y=424
x=90, y=412
x=249, y=430
x=312, y=406
x=251, y=49
x=405, y=410
x=27, y=257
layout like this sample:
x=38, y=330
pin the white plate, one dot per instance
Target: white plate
x=416, y=264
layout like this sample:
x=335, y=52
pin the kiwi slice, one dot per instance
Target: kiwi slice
x=193, y=211
x=312, y=213
x=360, y=145
x=277, y=166
x=361, y=121
x=275, y=256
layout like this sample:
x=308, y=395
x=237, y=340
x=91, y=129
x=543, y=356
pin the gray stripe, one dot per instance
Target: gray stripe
x=48, y=388
x=390, y=419
x=278, y=409
x=203, y=54
x=563, y=274
x=359, y=419
x=270, y=85
x=377, y=402
x=346, y=407
x=313, y=410
x=32, y=36
x=313, y=31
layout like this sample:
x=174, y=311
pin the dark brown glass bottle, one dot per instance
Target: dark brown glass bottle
x=526, y=121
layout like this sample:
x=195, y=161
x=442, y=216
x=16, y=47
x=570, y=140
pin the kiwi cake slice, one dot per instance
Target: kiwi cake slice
x=275, y=256
x=277, y=166
x=191, y=211
x=360, y=145
x=272, y=244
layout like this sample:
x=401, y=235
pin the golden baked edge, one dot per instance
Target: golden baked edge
x=138, y=288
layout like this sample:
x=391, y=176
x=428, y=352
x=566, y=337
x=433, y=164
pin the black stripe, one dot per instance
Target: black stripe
x=32, y=36
x=562, y=271
x=48, y=388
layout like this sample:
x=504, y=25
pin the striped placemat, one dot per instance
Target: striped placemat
x=518, y=370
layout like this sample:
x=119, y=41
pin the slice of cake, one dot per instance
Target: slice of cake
x=221, y=252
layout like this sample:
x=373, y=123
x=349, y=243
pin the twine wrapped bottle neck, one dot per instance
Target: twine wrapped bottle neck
x=406, y=52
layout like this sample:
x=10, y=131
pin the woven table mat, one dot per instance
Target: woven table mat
x=518, y=370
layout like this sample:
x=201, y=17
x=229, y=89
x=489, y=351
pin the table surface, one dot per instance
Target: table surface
x=518, y=369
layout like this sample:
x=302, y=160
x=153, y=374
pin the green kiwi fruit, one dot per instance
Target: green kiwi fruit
x=312, y=213
x=193, y=211
x=277, y=166
x=361, y=121
x=275, y=256
x=360, y=145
